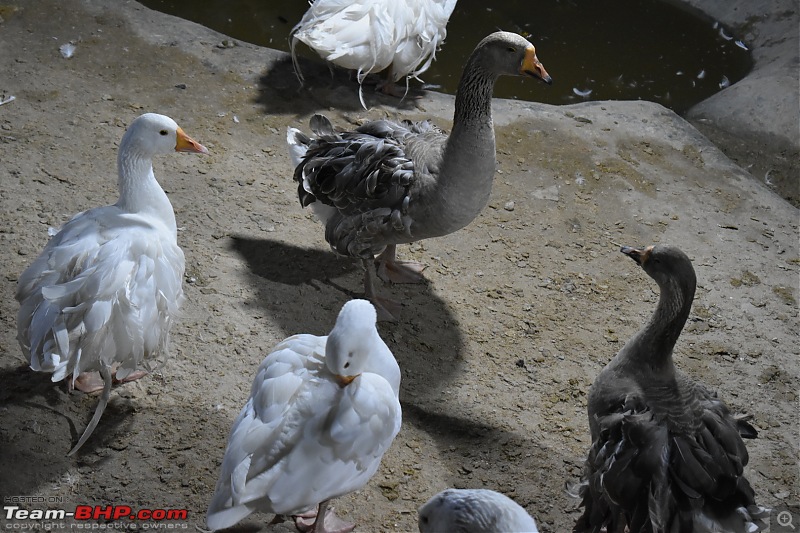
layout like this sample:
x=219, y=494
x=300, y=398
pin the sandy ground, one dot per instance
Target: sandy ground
x=498, y=349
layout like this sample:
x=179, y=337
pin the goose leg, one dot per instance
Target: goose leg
x=388, y=310
x=311, y=522
x=105, y=373
x=388, y=86
x=89, y=382
x=390, y=269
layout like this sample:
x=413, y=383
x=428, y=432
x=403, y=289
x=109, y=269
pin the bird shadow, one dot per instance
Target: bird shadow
x=466, y=443
x=39, y=428
x=280, y=91
x=303, y=289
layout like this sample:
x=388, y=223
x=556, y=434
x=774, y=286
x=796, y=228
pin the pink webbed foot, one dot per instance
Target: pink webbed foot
x=90, y=382
x=392, y=89
x=390, y=269
x=388, y=310
x=309, y=522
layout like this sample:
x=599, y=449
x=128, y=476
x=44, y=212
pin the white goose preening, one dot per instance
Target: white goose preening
x=104, y=291
x=322, y=412
x=667, y=455
x=388, y=183
x=373, y=35
x=474, y=511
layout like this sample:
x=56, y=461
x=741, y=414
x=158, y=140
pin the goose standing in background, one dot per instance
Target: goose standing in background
x=388, y=183
x=474, y=511
x=373, y=35
x=322, y=412
x=667, y=455
x=103, y=294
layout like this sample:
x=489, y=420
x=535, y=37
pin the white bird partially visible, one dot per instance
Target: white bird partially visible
x=373, y=35
x=474, y=511
x=322, y=412
x=105, y=290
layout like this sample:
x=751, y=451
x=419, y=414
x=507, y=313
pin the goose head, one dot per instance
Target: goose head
x=354, y=342
x=663, y=263
x=151, y=134
x=509, y=54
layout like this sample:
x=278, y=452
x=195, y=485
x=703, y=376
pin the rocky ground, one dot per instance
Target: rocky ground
x=520, y=311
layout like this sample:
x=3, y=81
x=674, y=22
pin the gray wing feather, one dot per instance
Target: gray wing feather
x=647, y=474
x=369, y=176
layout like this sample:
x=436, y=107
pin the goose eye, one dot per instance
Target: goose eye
x=162, y=132
x=347, y=364
x=511, y=49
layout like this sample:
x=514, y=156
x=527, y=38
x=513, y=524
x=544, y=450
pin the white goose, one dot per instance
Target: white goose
x=374, y=35
x=322, y=412
x=388, y=183
x=474, y=511
x=104, y=291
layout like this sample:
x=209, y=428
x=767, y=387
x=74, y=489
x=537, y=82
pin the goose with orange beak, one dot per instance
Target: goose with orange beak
x=322, y=412
x=388, y=183
x=103, y=294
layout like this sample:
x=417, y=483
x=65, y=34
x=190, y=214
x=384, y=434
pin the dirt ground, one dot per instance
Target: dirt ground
x=520, y=311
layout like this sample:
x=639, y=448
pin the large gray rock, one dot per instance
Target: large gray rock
x=756, y=121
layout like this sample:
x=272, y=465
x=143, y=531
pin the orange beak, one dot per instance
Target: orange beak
x=344, y=381
x=531, y=66
x=187, y=144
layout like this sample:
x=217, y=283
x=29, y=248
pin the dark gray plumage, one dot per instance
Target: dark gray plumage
x=667, y=455
x=388, y=183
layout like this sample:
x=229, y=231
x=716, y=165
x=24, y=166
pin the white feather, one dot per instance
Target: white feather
x=303, y=437
x=369, y=35
x=108, y=285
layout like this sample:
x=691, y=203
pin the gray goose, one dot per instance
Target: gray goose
x=389, y=183
x=667, y=455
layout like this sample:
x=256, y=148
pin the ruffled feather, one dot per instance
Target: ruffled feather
x=370, y=35
x=304, y=436
x=666, y=455
x=107, y=287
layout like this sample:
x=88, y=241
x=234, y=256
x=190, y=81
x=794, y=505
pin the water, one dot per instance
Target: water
x=594, y=50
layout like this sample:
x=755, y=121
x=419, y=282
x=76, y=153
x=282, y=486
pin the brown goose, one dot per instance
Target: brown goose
x=667, y=455
x=388, y=183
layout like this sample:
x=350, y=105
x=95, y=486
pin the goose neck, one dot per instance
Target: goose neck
x=139, y=192
x=473, y=105
x=654, y=343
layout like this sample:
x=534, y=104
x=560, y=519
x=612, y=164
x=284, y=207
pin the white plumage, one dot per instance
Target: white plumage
x=104, y=291
x=474, y=511
x=322, y=412
x=371, y=35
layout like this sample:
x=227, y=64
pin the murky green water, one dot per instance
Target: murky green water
x=594, y=50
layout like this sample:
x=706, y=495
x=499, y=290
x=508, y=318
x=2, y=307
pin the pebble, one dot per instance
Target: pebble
x=509, y=206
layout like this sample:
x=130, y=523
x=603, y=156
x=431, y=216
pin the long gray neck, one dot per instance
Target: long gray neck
x=468, y=166
x=653, y=344
x=139, y=192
